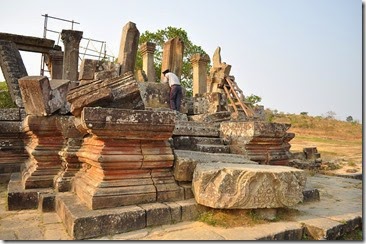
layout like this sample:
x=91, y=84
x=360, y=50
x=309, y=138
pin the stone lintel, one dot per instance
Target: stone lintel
x=29, y=43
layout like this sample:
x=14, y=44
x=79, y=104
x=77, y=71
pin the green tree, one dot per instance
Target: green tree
x=159, y=38
x=253, y=99
x=349, y=119
x=5, y=98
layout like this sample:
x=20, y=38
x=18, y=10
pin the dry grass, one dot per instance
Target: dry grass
x=336, y=141
x=229, y=218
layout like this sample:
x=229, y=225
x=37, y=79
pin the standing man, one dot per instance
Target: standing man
x=175, y=89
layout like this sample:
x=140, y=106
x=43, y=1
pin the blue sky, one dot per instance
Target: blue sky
x=297, y=55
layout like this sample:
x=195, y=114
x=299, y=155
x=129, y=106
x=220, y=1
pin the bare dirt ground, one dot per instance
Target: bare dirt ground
x=339, y=155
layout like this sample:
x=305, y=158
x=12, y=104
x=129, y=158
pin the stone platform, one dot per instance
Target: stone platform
x=83, y=223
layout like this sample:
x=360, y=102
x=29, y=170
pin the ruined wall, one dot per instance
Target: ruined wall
x=266, y=143
x=12, y=151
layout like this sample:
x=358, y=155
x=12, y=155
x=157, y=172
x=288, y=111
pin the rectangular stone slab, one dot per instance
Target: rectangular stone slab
x=239, y=186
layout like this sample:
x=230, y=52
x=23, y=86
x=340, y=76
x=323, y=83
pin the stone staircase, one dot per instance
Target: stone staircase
x=198, y=136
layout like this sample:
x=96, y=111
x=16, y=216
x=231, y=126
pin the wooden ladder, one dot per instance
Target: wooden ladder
x=236, y=98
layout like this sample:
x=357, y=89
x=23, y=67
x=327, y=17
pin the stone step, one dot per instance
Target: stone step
x=190, y=142
x=83, y=223
x=213, y=148
x=186, y=161
x=191, y=128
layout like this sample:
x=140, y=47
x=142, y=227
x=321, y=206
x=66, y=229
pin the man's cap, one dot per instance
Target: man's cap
x=165, y=71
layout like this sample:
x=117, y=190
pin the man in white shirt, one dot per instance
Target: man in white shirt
x=175, y=89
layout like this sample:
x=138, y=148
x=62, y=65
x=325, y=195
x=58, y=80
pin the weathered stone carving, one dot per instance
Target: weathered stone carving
x=127, y=158
x=70, y=163
x=13, y=69
x=71, y=40
x=266, y=143
x=44, y=141
x=209, y=103
x=173, y=56
x=118, y=92
x=42, y=97
x=128, y=47
x=238, y=186
x=218, y=72
x=106, y=69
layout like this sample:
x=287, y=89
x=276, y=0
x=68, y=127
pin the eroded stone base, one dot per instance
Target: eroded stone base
x=83, y=223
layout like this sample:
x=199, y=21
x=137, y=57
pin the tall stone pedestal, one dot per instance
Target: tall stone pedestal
x=44, y=141
x=126, y=158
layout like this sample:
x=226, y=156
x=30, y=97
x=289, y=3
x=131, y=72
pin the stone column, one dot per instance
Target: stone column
x=44, y=141
x=13, y=69
x=70, y=163
x=128, y=47
x=147, y=51
x=55, y=60
x=71, y=40
x=173, y=56
x=199, y=65
x=127, y=158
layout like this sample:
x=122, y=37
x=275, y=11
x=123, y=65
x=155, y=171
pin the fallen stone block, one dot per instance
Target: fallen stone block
x=119, y=92
x=42, y=97
x=238, y=186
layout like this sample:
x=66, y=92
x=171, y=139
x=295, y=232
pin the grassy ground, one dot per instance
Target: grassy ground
x=336, y=141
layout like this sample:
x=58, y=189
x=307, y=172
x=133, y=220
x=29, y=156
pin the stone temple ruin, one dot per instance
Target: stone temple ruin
x=99, y=145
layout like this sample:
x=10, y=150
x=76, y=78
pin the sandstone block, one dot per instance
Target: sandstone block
x=42, y=97
x=156, y=214
x=237, y=186
x=186, y=161
x=119, y=92
x=87, y=69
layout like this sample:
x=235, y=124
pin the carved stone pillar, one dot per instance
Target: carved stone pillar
x=127, y=158
x=55, y=60
x=147, y=51
x=128, y=47
x=44, y=141
x=173, y=56
x=71, y=40
x=70, y=163
x=199, y=65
